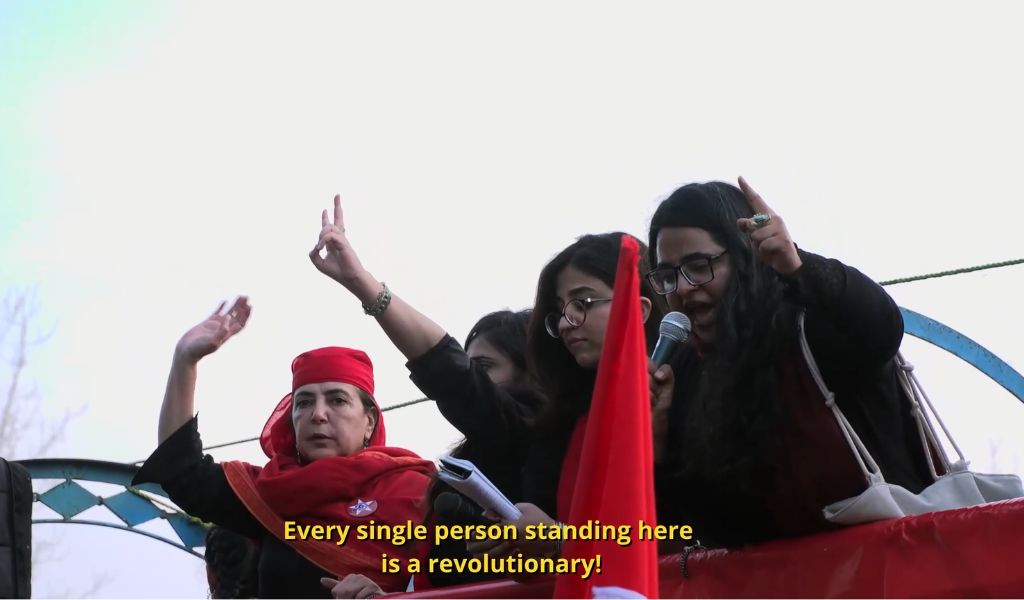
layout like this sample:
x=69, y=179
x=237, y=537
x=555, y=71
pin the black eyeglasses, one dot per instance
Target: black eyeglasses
x=574, y=311
x=696, y=271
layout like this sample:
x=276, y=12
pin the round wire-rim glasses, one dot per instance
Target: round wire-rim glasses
x=574, y=312
x=696, y=271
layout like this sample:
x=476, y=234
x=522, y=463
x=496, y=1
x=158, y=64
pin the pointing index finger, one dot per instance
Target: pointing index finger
x=754, y=199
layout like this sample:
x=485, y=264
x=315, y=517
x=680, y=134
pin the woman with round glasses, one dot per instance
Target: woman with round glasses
x=574, y=294
x=753, y=449
x=574, y=313
x=564, y=340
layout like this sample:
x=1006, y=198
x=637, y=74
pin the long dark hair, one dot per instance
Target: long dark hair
x=729, y=428
x=568, y=385
x=506, y=331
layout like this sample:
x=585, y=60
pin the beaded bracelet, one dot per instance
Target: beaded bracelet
x=380, y=304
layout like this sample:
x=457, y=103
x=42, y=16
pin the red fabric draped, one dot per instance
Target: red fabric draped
x=322, y=493
x=964, y=553
x=570, y=470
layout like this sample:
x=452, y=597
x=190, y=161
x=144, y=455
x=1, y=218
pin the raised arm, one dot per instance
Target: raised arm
x=852, y=323
x=409, y=330
x=465, y=394
x=205, y=338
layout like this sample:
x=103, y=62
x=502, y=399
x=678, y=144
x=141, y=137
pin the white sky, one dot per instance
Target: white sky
x=157, y=158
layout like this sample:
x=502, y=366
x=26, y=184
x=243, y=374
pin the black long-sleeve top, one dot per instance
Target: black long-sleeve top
x=198, y=485
x=854, y=329
x=497, y=422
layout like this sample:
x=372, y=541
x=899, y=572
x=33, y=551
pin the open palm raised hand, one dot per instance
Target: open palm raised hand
x=206, y=337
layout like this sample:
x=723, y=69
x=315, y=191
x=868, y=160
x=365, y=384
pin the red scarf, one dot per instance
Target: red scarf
x=326, y=492
x=570, y=469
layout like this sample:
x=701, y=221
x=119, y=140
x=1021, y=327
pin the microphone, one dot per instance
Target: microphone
x=674, y=329
x=456, y=509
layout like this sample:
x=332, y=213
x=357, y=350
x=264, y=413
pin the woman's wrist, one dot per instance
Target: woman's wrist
x=365, y=287
x=183, y=360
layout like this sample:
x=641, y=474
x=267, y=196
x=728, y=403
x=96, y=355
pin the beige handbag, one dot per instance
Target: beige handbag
x=957, y=487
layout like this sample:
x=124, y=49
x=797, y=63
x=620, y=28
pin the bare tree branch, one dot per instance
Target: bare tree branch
x=24, y=431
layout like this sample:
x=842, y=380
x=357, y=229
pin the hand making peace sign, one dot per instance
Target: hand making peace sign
x=341, y=263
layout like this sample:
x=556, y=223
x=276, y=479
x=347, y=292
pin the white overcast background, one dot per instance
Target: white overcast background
x=156, y=158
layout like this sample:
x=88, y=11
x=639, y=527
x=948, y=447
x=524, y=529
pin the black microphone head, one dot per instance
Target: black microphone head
x=675, y=326
x=451, y=507
x=447, y=502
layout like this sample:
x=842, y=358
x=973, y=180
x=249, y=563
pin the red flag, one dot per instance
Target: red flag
x=615, y=481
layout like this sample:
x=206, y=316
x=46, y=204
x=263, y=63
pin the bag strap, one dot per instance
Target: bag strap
x=872, y=473
x=925, y=429
x=921, y=405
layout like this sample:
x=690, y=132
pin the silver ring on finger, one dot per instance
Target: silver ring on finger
x=761, y=220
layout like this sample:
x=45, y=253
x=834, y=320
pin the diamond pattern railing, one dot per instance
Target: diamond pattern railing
x=131, y=506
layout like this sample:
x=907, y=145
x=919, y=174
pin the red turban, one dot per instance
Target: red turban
x=333, y=363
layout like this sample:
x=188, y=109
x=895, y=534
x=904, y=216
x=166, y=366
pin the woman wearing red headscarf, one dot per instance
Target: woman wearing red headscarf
x=328, y=466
